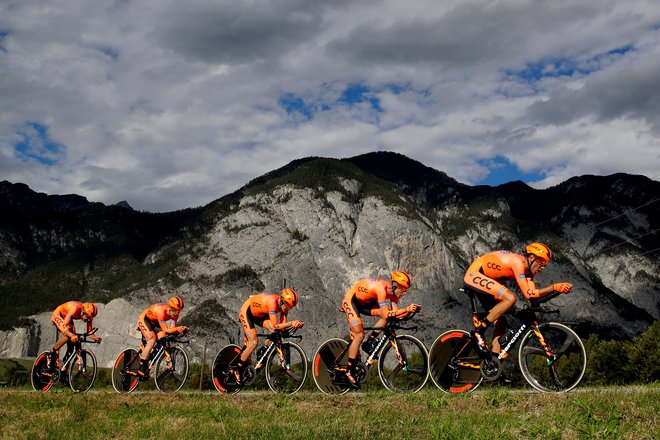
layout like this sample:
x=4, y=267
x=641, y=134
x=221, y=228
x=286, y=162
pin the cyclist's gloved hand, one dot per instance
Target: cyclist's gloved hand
x=562, y=287
x=74, y=338
x=96, y=339
x=413, y=308
x=182, y=329
x=297, y=324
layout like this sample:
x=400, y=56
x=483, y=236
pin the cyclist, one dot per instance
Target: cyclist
x=369, y=296
x=484, y=278
x=153, y=324
x=63, y=318
x=262, y=310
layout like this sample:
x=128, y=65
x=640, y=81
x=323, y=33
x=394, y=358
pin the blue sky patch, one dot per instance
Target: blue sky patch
x=357, y=93
x=565, y=66
x=354, y=93
x=36, y=145
x=296, y=105
x=109, y=52
x=503, y=171
x=3, y=34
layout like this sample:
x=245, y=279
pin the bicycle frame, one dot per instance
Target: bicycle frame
x=528, y=320
x=74, y=353
x=276, y=339
x=389, y=334
x=159, y=350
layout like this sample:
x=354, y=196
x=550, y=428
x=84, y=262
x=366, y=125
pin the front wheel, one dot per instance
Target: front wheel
x=403, y=365
x=559, y=373
x=286, y=368
x=82, y=371
x=42, y=376
x=125, y=370
x=171, y=370
x=223, y=379
x=326, y=376
x=454, y=364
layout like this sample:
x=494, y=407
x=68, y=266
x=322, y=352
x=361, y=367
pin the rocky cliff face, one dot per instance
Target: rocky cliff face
x=319, y=225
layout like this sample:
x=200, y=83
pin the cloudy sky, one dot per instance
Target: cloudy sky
x=170, y=104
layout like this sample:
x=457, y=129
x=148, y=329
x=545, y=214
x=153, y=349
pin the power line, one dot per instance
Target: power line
x=629, y=240
x=652, y=250
x=627, y=212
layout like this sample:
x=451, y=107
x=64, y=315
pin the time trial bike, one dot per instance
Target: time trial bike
x=402, y=361
x=551, y=356
x=77, y=369
x=285, y=364
x=167, y=361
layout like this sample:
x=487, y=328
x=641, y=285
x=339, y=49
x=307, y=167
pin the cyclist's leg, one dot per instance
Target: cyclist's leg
x=62, y=328
x=70, y=351
x=501, y=324
x=357, y=335
x=250, y=342
x=149, y=337
x=494, y=297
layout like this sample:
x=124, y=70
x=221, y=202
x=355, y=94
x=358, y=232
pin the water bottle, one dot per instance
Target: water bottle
x=506, y=337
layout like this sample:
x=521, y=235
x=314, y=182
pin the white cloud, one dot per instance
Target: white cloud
x=170, y=105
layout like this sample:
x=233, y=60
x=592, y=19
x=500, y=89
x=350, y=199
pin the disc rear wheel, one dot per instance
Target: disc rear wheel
x=454, y=364
x=223, y=379
x=41, y=376
x=124, y=371
x=326, y=379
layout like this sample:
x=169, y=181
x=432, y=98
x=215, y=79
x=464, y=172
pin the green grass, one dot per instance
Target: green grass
x=496, y=413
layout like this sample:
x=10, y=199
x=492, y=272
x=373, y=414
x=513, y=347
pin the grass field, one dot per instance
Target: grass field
x=491, y=414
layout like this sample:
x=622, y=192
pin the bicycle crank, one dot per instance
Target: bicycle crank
x=249, y=375
x=491, y=369
x=361, y=370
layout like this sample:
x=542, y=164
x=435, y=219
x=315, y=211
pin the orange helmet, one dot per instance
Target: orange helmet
x=290, y=297
x=90, y=309
x=402, y=279
x=540, y=250
x=176, y=302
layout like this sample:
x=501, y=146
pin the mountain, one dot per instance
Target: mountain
x=319, y=225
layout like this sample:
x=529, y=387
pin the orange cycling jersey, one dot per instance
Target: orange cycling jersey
x=370, y=291
x=157, y=316
x=487, y=271
x=367, y=296
x=64, y=315
x=259, y=308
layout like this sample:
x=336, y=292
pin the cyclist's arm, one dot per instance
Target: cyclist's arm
x=68, y=320
x=64, y=325
x=168, y=329
x=89, y=326
x=526, y=284
x=276, y=324
x=383, y=311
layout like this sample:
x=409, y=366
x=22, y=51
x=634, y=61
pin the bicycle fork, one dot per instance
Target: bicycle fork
x=551, y=357
x=399, y=353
